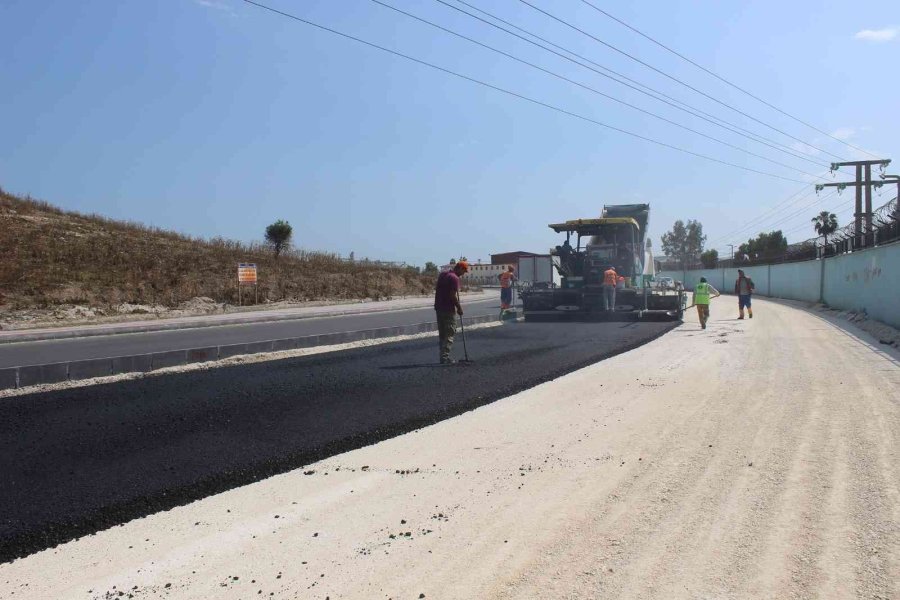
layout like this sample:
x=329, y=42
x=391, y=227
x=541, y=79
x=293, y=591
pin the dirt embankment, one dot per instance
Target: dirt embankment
x=65, y=262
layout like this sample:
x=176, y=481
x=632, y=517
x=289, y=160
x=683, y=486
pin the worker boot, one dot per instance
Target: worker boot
x=750, y=312
x=741, y=315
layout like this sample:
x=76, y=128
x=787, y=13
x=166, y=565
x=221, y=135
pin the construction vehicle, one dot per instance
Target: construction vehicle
x=617, y=239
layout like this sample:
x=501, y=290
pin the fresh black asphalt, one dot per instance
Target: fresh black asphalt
x=77, y=461
x=20, y=354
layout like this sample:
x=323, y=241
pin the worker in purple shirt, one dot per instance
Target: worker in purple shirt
x=447, y=306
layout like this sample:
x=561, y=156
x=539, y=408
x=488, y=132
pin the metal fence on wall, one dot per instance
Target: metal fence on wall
x=885, y=228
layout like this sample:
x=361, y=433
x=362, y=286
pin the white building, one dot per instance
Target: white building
x=482, y=274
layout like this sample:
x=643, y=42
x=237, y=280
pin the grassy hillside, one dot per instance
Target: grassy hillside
x=50, y=257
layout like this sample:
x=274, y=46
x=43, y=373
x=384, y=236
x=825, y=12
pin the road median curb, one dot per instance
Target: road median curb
x=20, y=377
x=15, y=336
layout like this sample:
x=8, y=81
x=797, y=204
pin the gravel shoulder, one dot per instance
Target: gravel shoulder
x=756, y=459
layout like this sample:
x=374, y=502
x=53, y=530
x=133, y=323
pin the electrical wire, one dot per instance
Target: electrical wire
x=722, y=79
x=777, y=225
x=793, y=198
x=652, y=93
x=588, y=88
x=808, y=223
x=675, y=79
x=513, y=94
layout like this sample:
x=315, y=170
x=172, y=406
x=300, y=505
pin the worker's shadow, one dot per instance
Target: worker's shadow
x=418, y=366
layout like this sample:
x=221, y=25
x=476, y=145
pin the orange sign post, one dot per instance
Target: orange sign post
x=247, y=276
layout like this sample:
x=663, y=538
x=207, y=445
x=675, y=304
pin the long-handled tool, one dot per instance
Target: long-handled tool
x=462, y=328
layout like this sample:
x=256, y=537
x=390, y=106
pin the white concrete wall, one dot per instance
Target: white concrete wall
x=866, y=280
x=797, y=281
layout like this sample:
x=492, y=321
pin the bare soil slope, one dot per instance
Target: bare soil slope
x=52, y=257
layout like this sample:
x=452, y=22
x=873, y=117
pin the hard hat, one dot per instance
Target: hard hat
x=463, y=266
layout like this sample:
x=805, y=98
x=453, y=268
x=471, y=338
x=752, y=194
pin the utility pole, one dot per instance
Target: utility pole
x=732, y=254
x=860, y=183
x=893, y=179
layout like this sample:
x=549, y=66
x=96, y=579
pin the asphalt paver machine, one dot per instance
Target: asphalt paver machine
x=617, y=239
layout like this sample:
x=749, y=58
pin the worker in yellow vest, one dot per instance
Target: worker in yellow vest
x=703, y=292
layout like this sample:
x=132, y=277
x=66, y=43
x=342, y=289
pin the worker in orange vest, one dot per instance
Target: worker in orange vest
x=506, y=281
x=610, y=277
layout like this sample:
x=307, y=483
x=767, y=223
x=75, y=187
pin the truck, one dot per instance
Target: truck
x=539, y=271
x=617, y=239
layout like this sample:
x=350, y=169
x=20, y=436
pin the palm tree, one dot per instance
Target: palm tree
x=825, y=224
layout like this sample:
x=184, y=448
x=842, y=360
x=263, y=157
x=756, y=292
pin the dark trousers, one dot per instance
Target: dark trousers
x=446, y=331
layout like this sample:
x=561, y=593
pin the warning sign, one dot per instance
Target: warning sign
x=247, y=273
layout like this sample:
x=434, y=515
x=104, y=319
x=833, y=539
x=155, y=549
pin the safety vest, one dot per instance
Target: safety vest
x=701, y=293
x=609, y=277
x=506, y=279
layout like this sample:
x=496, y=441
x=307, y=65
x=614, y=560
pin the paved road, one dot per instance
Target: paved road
x=79, y=460
x=51, y=351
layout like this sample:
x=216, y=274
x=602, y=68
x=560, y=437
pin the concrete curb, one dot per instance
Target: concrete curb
x=16, y=336
x=19, y=377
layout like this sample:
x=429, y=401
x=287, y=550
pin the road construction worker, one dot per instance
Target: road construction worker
x=610, y=277
x=703, y=291
x=447, y=306
x=506, y=280
x=744, y=287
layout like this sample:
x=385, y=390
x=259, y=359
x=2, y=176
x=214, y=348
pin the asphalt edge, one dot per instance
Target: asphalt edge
x=27, y=544
x=26, y=376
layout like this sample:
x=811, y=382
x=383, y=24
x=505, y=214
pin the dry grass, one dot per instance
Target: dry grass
x=51, y=257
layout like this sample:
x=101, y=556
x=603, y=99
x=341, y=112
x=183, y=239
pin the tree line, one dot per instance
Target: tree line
x=686, y=242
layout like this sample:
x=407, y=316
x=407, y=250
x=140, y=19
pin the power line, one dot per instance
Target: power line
x=768, y=212
x=802, y=210
x=779, y=221
x=773, y=226
x=588, y=88
x=664, y=74
x=513, y=94
x=808, y=223
x=653, y=93
x=722, y=79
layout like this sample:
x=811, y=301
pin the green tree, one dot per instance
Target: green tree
x=685, y=241
x=825, y=224
x=710, y=259
x=278, y=236
x=765, y=245
x=430, y=268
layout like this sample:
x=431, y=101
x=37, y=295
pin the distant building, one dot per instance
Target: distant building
x=481, y=274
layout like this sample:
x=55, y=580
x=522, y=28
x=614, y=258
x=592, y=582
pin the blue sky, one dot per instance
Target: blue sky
x=214, y=117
